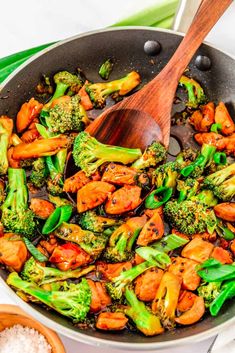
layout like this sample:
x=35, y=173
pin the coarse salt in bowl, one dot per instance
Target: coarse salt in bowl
x=19, y=332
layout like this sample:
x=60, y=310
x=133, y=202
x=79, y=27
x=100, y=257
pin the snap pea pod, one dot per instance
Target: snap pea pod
x=34, y=251
x=169, y=243
x=227, y=292
x=60, y=215
x=214, y=271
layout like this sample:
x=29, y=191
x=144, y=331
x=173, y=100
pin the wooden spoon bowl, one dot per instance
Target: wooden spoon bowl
x=11, y=315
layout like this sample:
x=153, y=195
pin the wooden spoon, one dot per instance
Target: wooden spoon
x=146, y=115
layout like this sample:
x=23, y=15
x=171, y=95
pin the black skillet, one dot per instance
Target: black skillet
x=126, y=47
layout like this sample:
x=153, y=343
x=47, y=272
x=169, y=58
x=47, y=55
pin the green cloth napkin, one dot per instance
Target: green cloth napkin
x=160, y=15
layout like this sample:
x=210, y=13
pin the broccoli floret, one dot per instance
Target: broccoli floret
x=63, y=81
x=106, y=69
x=206, y=198
x=89, y=154
x=16, y=216
x=120, y=244
x=72, y=300
x=153, y=155
x=195, y=92
x=91, y=221
x=98, y=92
x=55, y=166
x=2, y=192
x=209, y=291
x=222, y=183
x=187, y=188
x=39, y=173
x=146, y=322
x=92, y=243
x=6, y=127
x=118, y=284
x=166, y=175
x=34, y=272
x=190, y=217
x=203, y=160
x=58, y=201
x=187, y=155
x=67, y=116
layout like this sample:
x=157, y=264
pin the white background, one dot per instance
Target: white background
x=28, y=23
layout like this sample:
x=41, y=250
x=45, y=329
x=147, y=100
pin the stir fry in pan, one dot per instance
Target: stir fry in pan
x=131, y=239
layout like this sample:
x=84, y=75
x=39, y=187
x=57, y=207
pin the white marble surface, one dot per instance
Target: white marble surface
x=28, y=23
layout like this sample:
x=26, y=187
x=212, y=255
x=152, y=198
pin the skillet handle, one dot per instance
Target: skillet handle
x=186, y=11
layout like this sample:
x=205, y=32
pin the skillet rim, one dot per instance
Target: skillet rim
x=59, y=328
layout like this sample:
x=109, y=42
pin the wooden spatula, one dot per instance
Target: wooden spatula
x=146, y=115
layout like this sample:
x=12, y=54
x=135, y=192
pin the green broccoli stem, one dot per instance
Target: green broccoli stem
x=40, y=275
x=107, y=153
x=144, y=320
x=60, y=90
x=17, y=196
x=63, y=301
x=121, y=244
x=129, y=275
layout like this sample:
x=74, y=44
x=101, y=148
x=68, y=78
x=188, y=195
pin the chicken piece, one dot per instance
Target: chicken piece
x=125, y=199
x=198, y=250
x=12, y=162
x=30, y=135
x=194, y=314
x=232, y=247
x=41, y=208
x=147, y=284
x=226, y=211
x=152, y=230
x=186, y=301
x=204, y=118
x=85, y=98
x=50, y=244
x=211, y=138
x=27, y=113
x=222, y=255
x=99, y=297
x=93, y=194
x=69, y=256
x=119, y=174
x=185, y=269
x=230, y=145
x=111, y=321
x=76, y=182
x=13, y=252
x=223, y=117
x=110, y=271
x=40, y=148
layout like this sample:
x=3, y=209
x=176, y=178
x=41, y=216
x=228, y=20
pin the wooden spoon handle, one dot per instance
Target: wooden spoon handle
x=207, y=15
